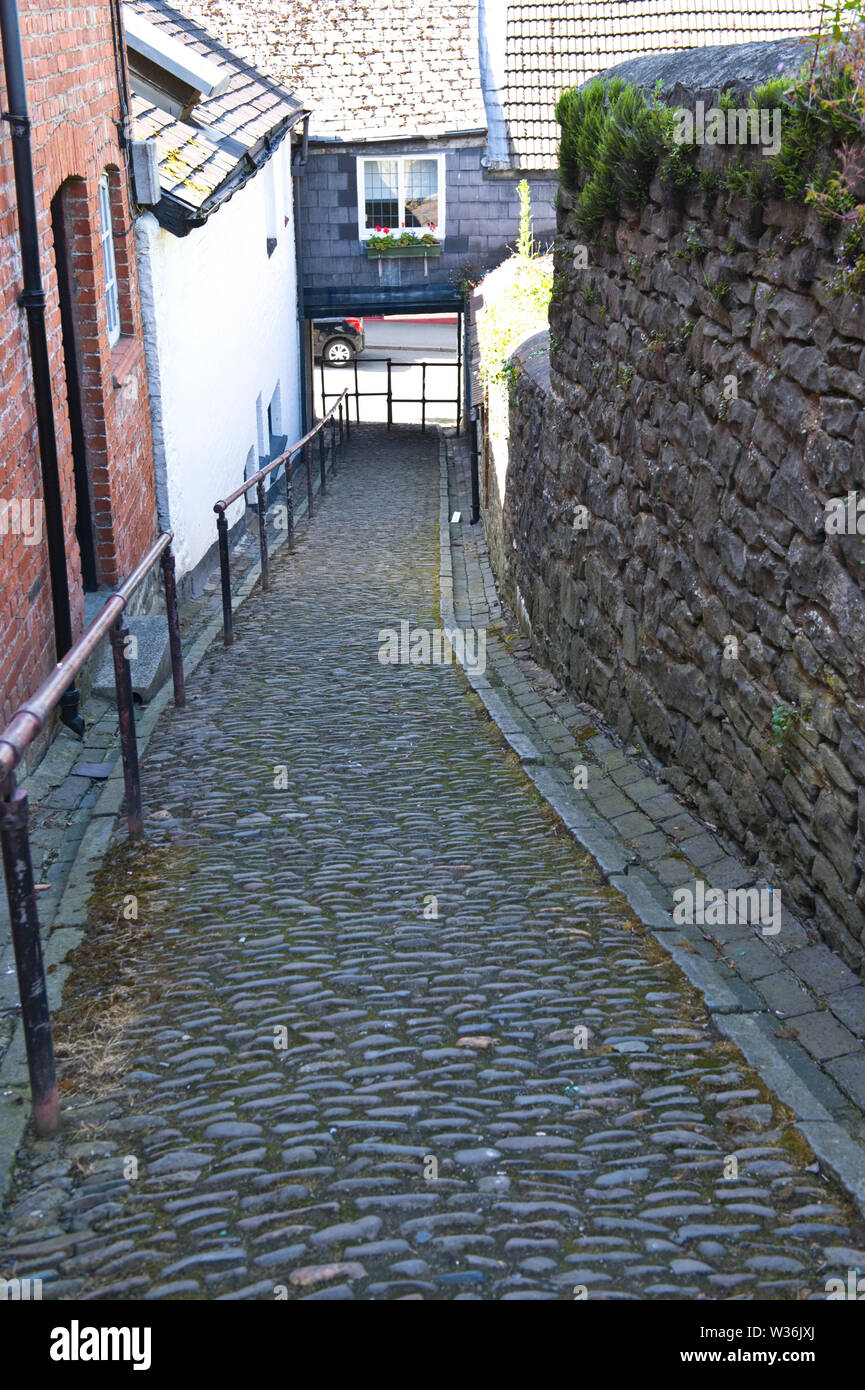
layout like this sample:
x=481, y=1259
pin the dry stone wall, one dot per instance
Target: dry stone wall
x=700, y=593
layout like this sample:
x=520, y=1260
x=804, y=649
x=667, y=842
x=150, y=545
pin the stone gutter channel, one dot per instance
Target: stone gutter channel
x=73, y=816
x=791, y=1005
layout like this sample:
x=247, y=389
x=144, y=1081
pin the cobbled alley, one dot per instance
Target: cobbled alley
x=338, y=1052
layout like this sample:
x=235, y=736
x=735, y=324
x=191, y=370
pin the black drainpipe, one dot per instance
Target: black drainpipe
x=32, y=299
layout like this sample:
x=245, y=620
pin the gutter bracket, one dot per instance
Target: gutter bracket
x=32, y=299
x=20, y=124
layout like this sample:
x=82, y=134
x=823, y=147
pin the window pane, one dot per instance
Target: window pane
x=421, y=193
x=107, y=238
x=381, y=198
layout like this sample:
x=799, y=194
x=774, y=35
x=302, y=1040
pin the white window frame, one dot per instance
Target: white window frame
x=106, y=236
x=364, y=159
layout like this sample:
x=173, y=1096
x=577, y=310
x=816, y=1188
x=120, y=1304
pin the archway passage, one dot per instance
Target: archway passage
x=401, y=353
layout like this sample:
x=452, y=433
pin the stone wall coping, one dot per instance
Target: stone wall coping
x=698, y=74
x=532, y=355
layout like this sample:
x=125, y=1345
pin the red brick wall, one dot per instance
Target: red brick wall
x=74, y=107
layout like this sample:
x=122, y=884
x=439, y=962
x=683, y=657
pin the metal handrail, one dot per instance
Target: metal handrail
x=423, y=400
x=29, y=719
x=257, y=481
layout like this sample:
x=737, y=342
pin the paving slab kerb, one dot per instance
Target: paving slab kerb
x=378, y=1027
x=812, y=1003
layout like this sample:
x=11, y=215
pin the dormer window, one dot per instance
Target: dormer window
x=170, y=74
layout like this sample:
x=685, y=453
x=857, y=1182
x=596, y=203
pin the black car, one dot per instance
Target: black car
x=337, y=341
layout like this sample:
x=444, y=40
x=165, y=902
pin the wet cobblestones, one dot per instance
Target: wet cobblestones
x=343, y=1058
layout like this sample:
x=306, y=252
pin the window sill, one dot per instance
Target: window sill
x=394, y=252
x=125, y=355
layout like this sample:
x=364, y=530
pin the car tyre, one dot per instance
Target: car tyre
x=338, y=352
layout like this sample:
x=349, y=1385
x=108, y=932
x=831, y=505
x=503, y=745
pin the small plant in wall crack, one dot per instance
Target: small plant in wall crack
x=694, y=246
x=560, y=287
x=785, y=720
x=709, y=182
x=657, y=343
x=626, y=376
x=718, y=289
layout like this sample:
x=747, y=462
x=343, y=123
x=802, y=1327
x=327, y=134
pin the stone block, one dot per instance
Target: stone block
x=150, y=659
x=784, y=994
x=849, y=1072
x=823, y=1036
x=822, y=970
x=849, y=1006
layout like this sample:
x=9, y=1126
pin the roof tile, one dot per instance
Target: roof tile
x=551, y=46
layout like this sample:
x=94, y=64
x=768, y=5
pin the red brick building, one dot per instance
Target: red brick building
x=76, y=90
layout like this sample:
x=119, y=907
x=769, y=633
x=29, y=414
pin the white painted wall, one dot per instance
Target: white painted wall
x=220, y=331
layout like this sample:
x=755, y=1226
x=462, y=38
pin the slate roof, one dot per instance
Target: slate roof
x=206, y=158
x=364, y=67
x=551, y=46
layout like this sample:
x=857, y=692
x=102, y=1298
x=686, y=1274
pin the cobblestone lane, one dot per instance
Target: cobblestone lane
x=429, y=1129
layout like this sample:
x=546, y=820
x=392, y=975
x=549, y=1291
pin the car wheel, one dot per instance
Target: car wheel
x=338, y=352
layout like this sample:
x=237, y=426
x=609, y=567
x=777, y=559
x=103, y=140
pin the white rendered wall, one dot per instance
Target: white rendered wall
x=220, y=330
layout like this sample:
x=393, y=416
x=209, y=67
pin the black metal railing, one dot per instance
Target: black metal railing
x=423, y=400
x=25, y=725
x=303, y=447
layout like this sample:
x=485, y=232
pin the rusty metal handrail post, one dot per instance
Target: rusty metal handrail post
x=341, y=431
x=321, y=461
x=389, y=395
x=332, y=445
x=262, y=534
x=289, y=499
x=462, y=325
x=225, y=576
x=475, y=456
x=286, y=460
x=423, y=397
x=29, y=964
x=29, y=720
x=174, y=641
x=307, y=461
x=126, y=716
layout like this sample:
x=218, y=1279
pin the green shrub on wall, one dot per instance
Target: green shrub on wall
x=615, y=138
x=612, y=139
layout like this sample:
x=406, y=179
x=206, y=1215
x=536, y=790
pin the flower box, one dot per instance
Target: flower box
x=373, y=252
